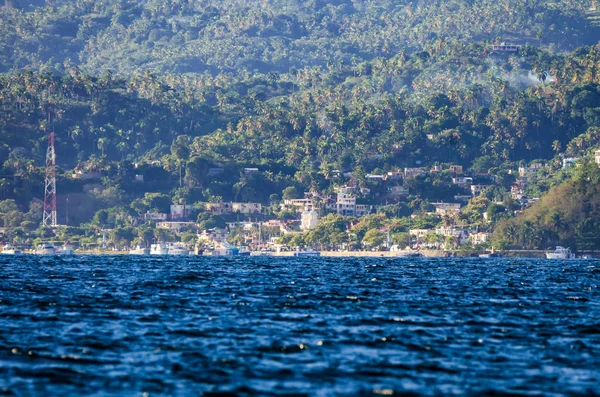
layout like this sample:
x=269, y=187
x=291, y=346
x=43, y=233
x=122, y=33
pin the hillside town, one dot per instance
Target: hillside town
x=370, y=212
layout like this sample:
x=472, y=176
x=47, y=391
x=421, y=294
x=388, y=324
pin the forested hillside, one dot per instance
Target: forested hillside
x=314, y=94
x=181, y=36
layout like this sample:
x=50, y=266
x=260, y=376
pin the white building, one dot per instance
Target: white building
x=345, y=204
x=463, y=198
x=410, y=172
x=398, y=190
x=446, y=208
x=228, y=208
x=155, y=216
x=597, y=157
x=180, y=211
x=462, y=181
x=530, y=171
x=310, y=220
x=175, y=226
x=462, y=235
x=570, y=161
x=479, y=238
x=215, y=236
x=299, y=204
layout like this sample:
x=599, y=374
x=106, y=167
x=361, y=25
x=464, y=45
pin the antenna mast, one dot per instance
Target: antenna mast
x=49, y=218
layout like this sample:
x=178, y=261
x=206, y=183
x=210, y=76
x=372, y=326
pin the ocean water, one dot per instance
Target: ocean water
x=134, y=326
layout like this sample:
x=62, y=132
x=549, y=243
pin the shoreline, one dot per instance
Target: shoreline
x=539, y=254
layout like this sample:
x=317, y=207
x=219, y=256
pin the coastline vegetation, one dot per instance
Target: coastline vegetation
x=166, y=102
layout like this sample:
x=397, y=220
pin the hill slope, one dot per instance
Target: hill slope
x=181, y=36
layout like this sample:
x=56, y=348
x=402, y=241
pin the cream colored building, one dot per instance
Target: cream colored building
x=310, y=220
x=228, y=208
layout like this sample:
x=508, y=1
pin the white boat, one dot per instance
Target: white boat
x=261, y=253
x=159, y=249
x=560, y=253
x=139, y=251
x=177, y=249
x=9, y=249
x=307, y=253
x=409, y=254
x=45, y=249
x=66, y=249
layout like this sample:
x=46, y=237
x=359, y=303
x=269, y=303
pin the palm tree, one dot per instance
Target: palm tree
x=556, y=146
x=102, y=142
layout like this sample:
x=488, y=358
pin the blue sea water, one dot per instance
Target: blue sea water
x=150, y=326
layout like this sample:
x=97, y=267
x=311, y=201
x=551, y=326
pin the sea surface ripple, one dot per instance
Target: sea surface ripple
x=158, y=326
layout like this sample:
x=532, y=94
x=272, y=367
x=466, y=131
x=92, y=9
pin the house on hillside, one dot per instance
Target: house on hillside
x=569, y=162
x=463, y=181
x=503, y=47
x=477, y=189
x=221, y=208
x=180, y=211
x=526, y=172
x=411, y=172
x=446, y=208
x=456, y=169
x=175, y=226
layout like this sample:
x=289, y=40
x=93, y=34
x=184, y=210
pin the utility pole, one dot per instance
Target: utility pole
x=49, y=217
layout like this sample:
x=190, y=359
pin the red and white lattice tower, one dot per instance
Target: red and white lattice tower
x=49, y=219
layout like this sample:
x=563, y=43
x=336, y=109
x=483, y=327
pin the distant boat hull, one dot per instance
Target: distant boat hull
x=490, y=256
x=164, y=249
x=139, y=251
x=9, y=249
x=402, y=254
x=560, y=253
x=45, y=249
x=65, y=251
x=307, y=254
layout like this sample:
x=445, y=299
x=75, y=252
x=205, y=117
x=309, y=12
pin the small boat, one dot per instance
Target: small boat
x=261, y=253
x=177, y=249
x=492, y=254
x=159, y=249
x=560, y=253
x=139, y=251
x=66, y=249
x=9, y=249
x=309, y=253
x=45, y=249
x=409, y=254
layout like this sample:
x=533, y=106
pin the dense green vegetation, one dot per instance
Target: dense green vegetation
x=307, y=92
x=568, y=214
x=181, y=36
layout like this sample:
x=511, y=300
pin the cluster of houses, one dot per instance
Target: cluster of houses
x=352, y=200
x=446, y=237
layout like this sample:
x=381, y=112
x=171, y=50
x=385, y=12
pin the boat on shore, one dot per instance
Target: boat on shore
x=159, y=249
x=139, y=251
x=560, y=253
x=10, y=249
x=261, y=253
x=491, y=254
x=45, y=249
x=177, y=249
x=408, y=254
x=66, y=249
x=168, y=249
x=307, y=253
